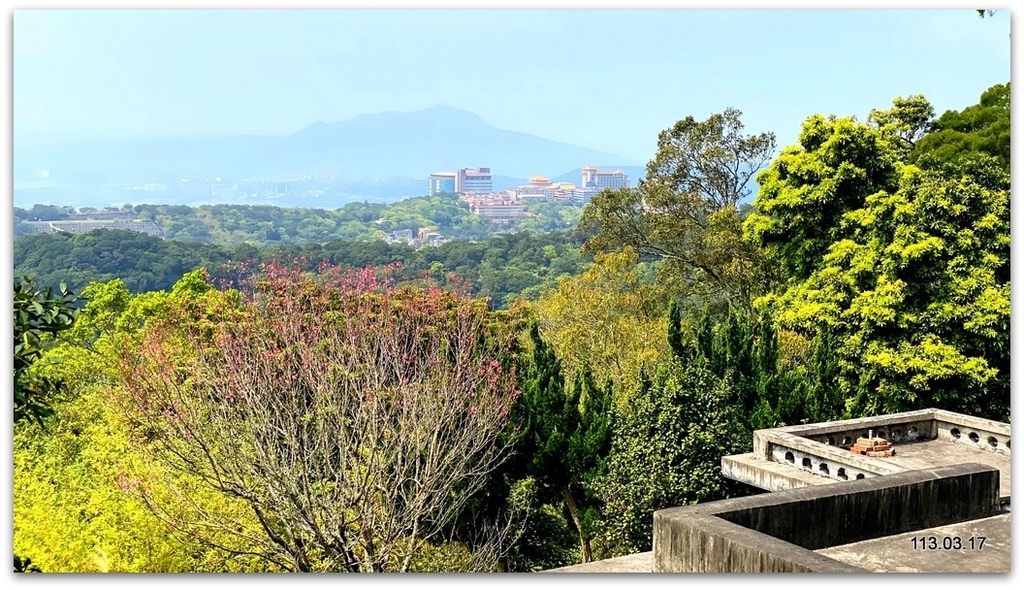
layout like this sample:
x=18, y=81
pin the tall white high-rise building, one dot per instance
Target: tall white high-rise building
x=473, y=180
x=441, y=182
x=601, y=179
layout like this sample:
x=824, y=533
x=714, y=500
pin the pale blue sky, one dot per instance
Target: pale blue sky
x=605, y=79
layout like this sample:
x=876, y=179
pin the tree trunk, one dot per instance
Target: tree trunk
x=575, y=512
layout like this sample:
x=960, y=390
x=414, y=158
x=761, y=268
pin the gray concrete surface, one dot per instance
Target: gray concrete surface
x=900, y=554
x=636, y=563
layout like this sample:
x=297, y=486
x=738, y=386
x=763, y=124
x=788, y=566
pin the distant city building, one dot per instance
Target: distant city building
x=441, y=182
x=594, y=181
x=496, y=208
x=600, y=179
x=539, y=182
x=473, y=180
x=582, y=196
x=78, y=226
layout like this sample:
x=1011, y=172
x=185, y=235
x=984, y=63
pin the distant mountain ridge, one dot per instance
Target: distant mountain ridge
x=371, y=147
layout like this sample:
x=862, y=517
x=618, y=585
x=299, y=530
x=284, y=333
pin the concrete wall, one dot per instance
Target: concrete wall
x=779, y=532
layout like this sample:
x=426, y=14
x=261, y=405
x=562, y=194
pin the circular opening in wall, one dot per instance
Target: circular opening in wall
x=897, y=433
x=807, y=463
x=860, y=476
x=832, y=441
x=823, y=468
x=880, y=434
x=841, y=474
x=847, y=440
x=955, y=432
x=974, y=437
x=912, y=431
x=993, y=442
x=789, y=457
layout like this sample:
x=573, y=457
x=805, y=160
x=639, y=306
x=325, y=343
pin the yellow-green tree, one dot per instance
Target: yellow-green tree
x=84, y=489
x=606, y=318
x=909, y=269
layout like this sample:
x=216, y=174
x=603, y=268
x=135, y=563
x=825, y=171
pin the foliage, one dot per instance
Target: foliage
x=982, y=128
x=353, y=418
x=908, y=269
x=39, y=316
x=607, y=319
x=502, y=268
x=25, y=565
x=144, y=263
x=685, y=213
x=809, y=187
x=666, y=451
x=905, y=123
x=77, y=502
x=565, y=434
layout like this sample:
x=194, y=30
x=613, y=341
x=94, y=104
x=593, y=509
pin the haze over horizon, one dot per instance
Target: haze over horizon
x=599, y=79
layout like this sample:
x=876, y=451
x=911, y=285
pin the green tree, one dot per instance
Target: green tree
x=666, y=451
x=981, y=128
x=566, y=432
x=744, y=350
x=685, y=212
x=809, y=187
x=82, y=485
x=906, y=122
x=607, y=318
x=908, y=269
x=39, y=316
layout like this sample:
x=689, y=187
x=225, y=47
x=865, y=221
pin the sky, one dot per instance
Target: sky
x=604, y=79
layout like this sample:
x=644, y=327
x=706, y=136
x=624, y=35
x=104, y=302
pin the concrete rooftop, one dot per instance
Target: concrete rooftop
x=898, y=553
x=930, y=440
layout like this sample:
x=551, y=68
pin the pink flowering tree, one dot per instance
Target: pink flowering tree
x=353, y=417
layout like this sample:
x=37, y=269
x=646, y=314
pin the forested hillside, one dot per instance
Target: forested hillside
x=273, y=226
x=502, y=267
x=308, y=401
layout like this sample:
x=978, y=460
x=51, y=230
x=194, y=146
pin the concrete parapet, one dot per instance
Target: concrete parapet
x=975, y=432
x=779, y=532
x=823, y=449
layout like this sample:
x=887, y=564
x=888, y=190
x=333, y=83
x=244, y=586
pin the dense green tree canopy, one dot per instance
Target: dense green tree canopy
x=809, y=187
x=908, y=268
x=981, y=128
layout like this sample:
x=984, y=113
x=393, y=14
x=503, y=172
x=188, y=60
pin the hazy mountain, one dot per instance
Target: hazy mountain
x=378, y=149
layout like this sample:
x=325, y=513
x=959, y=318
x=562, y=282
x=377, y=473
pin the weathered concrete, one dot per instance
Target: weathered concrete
x=900, y=553
x=699, y=542
x=635, y=563
x=937, y=453
x=922, y=439
x=780, y=476
x=779, y=532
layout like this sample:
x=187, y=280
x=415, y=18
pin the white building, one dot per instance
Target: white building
x=600, y=179
x=473, y=180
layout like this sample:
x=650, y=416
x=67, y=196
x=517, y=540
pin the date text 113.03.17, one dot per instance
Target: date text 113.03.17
x=932, y=543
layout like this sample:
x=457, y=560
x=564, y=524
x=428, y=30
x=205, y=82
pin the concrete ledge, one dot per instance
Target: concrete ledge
x=749, y=469
x=822, y=449
x=779, y=532
x=636, y=563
